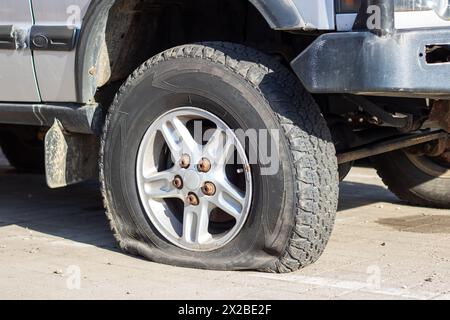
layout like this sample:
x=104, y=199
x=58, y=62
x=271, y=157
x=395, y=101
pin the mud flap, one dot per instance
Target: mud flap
x=69, y=158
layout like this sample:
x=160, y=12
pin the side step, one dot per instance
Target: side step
x=85, y=119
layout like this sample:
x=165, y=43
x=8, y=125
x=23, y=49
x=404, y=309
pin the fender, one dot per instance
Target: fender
x=279, y=14
x=297, y=14
x=89, y=45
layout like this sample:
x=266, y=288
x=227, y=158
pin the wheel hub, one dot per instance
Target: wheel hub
x=192, y=180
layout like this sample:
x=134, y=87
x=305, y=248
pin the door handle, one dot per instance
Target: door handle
x=52, y=38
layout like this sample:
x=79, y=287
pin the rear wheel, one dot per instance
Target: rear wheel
x=23, y=148
x=417, y=179
x=170, y=193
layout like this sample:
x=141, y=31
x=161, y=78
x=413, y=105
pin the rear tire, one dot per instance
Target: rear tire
x=24, y=151
x=418, y=180
x=292, y=211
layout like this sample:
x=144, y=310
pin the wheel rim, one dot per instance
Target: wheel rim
x=191, y=190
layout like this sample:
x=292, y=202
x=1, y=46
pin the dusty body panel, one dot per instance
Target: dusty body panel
x=17, y=75
x=55, y=69
x=297, y=14
x=56, y=72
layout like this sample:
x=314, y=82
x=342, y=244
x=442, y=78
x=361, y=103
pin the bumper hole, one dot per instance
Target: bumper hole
x=436, y=54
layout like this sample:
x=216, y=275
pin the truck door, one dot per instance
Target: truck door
x=17, y=79
x=58, y=22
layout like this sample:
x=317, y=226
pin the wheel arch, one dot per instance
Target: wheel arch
x=89, y=46
x=91, y=66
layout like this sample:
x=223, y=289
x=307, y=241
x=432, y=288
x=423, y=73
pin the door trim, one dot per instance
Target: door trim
x=53, y=38
x=7, y=40
x=39, y=38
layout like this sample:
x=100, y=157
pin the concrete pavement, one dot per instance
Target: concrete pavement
x=56, y=244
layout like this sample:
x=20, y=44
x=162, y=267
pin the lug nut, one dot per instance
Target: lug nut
x=204, y=165
x=209, y=189
x=185, y=161
x=193, y=199
x=178, y=182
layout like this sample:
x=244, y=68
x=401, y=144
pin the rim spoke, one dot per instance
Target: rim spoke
x=164, y=193
x=171, y=140
x=196, y=223
x=167, y=176
x=178, y=137
x=227, y=152
x=215, y=144
x=230, y=199
x=159, y=186
x=220, y=147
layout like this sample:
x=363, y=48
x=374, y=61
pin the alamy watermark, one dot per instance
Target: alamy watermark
x=374, y=19
x=260, y=146
x=73, y=277
x=73, y=16
x=374, y=277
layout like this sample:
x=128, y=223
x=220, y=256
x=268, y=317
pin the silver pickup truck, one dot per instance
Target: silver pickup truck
x=220, y=129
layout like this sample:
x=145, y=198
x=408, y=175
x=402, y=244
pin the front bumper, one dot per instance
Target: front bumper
x=369, y=64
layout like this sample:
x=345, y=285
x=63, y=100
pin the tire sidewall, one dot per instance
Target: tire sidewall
x=410, y=183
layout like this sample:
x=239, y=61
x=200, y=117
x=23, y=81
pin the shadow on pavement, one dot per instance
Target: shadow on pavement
x=355, y=194
x=76, y=212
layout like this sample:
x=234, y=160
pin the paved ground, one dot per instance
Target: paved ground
x=380, y=249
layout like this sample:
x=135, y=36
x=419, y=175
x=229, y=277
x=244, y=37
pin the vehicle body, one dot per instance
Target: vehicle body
x=123, y=84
